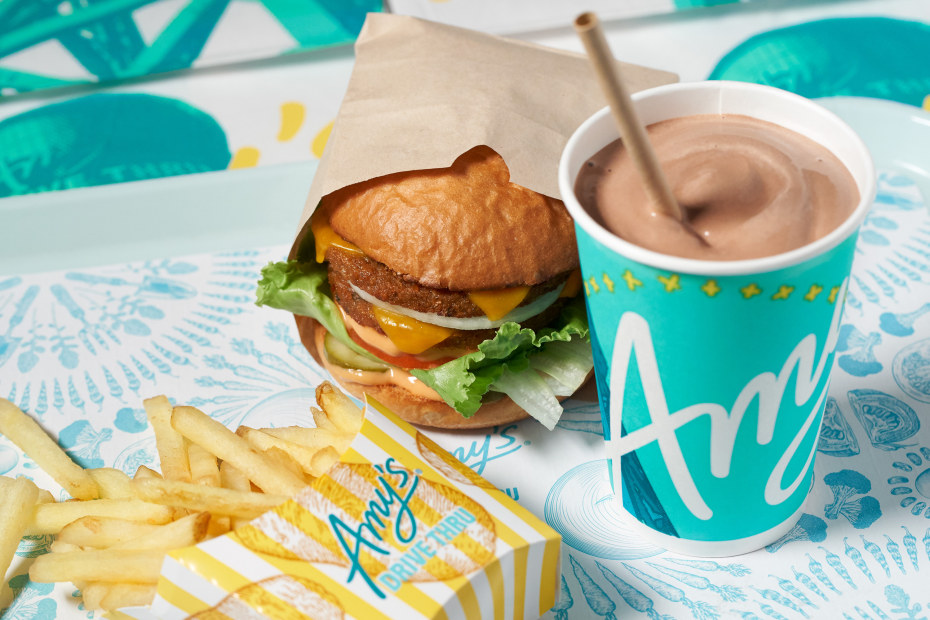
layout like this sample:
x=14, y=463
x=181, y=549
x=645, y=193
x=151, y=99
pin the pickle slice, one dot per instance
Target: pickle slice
x=341, y=355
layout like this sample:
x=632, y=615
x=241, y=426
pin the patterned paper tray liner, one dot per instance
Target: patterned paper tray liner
x=398, y=529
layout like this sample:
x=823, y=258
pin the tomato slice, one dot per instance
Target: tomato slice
x=401, y=361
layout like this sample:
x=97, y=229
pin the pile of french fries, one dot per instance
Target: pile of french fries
x=112, y=537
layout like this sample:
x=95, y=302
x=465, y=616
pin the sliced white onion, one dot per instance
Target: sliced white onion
x=518, y=314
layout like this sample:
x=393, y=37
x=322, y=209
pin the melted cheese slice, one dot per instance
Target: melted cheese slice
x=408, y=334
x=325, y=236
x=497, y=304
x=572, y=285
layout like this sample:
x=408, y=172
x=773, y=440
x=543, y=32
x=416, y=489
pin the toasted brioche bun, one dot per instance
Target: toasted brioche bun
x=408, y=406
x=461, y=228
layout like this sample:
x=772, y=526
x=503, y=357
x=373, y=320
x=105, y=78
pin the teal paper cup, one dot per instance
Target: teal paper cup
x=712, y=375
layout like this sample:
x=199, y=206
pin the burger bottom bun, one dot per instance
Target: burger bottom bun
x=410, y=407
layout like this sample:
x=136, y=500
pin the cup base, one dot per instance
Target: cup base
x=710, y=548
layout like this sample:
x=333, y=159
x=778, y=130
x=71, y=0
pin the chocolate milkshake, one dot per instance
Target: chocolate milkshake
x=748, y=189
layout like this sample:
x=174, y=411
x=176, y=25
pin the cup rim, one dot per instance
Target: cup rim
x=680, y=264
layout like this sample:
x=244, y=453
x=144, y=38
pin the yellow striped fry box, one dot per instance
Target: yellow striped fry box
x=398, y=529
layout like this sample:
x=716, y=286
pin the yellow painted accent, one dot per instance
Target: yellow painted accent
x=408, y=334
x=750, y=291
x=710, y=288
x=292, y=118
x=631, y=281
x=320, y=140
x=324, y=236
x=594, y=286
x=496, y=304
x=608, y=282
x=833, y=292
x=926, y=105
x=783, y=292
x=671, y=282
x=812, y=292
x=246, y=157
x=587, y=291
x=178, y=596
x=572, y=285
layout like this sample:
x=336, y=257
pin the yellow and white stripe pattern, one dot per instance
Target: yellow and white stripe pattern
x=418, y=533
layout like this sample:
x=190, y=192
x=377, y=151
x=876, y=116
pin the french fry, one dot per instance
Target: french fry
x=226, y=445
x=52, y=518
x=111, y=596
x=103, y=532
x=108, y=565
x=285, y=460
x=18, y=495
x=308, y=459
x=184, y=532
x=59, y=546
x=113, y=483
x=232, y=478
x=322, y=421
x=323, y=460
x=172, y=451
x=339, y=408
x=204, y=468
x=209, y=499
x=35, y=442
x=45, y=497
x=310, y=437
x=146, y=472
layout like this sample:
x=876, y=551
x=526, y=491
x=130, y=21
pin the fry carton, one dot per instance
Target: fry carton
x=399, y=528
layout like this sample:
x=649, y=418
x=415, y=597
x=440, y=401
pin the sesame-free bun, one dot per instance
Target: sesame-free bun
x=408, y=406
x=465, y=227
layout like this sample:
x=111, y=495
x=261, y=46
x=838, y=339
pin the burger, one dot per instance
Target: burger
x=450, y=295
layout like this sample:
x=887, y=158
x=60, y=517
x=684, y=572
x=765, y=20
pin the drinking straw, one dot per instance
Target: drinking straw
x=631, y=129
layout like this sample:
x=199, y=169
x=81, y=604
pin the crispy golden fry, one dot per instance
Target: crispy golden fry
x=60, y=546
x=313, y=461
x=172, y=450
x=110, y=596
x=339, y=409
x=51, y=518
x=103, y=532
x=314, y=438
x=209, y=499
x=323, y=460
x=322, y=421
x=35, y=442
x=226, y=445
x=184, y=532
x=285, y=460
x=113, y=483
x=204, y=468
x=234, y=479
x=218, y=526
x=45, y=497
x=17, y=496
x=108, y=565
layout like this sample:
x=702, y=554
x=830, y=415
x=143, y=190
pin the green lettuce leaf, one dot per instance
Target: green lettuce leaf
x=302, y=288
x=501, y=361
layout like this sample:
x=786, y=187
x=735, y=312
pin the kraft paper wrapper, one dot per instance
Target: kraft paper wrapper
x=423, y=93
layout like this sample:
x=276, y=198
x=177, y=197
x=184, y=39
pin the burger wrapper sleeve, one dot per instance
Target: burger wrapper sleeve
x=423, y=93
